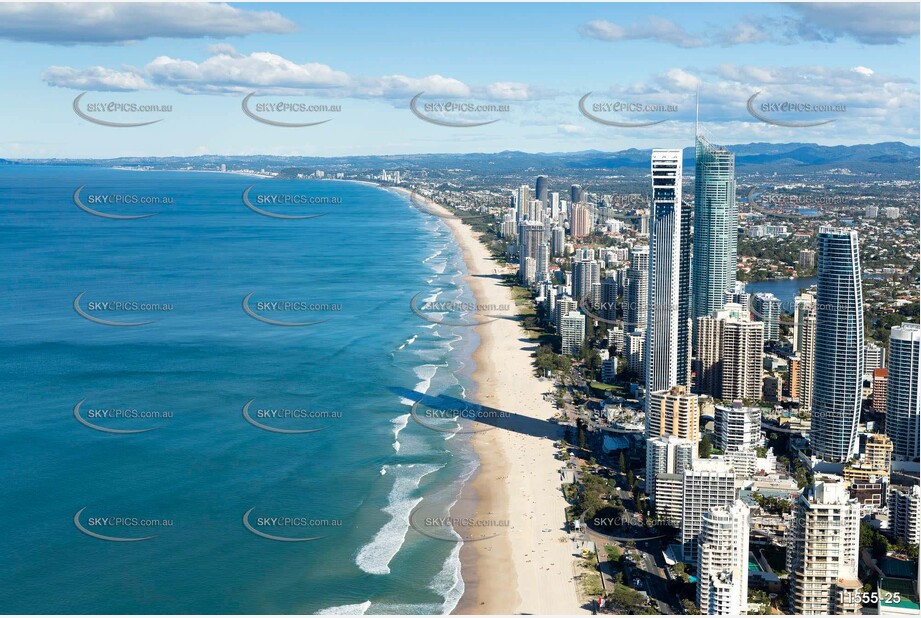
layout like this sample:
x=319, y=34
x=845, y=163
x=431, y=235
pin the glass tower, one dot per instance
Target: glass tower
x=838, y=378
x=716, y=223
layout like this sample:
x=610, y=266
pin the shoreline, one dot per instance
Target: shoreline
x=529, y=569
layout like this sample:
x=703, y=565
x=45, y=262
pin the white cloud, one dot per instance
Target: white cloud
x=863, y=71
x=653, y=29
x=232, y=72
x=107, y=23
x=572, y=129
x=401, y=86
x=512, y=91
x=94, y=78
x=873, y=23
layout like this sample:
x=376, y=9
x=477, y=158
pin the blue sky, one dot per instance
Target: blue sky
x=371, y=59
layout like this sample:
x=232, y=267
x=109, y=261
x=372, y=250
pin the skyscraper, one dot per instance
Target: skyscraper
x=580, y=222
x=716, y=223
x=905, y=513
x=572, y=332
x=838, y=378
x=729, y=354
x=665, y=238
x=903, y=399
x=637, y=290
x=530, y=238
x=804, y=346
x=766, y=308
x=722, y=562
x=673, y=412
x=737, y=427
x=541, y=190
x=575, y=194
x=710, y=483
x=822, y=549
x=608, y=307
x=667, y=455
x=586, y=272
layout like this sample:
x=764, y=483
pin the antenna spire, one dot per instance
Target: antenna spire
x=697, y=112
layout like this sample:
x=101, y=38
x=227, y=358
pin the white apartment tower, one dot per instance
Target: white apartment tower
x=722, y=561
x=822, y=550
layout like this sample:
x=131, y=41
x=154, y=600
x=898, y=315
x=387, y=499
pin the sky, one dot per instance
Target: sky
x=529, y=64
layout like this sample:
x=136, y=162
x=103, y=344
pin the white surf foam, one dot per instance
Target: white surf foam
x=375, y=556
x=357, y=609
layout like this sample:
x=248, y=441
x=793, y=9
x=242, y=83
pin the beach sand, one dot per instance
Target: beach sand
x=530, y=567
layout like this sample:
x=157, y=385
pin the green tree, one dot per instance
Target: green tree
x=705, y=447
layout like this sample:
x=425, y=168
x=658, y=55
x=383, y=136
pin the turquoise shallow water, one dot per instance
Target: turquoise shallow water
x=194, y=476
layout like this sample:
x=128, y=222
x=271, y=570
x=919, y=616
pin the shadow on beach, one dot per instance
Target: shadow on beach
x=486, y=417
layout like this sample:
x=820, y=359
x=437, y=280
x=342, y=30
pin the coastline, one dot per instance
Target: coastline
x=529, y=569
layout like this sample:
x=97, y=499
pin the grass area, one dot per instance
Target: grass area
x=589, y=579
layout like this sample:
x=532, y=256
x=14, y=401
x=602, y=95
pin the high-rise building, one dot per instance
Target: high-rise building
x=905, y=513
x=710, y=483
x=668, y=498
x=673, y=412
x=766, y=308
x=880, y=381
x=543, y=262
x=737, y=427
x=665, y=243
x=807, y=259
x=822, y=550
x=804, y=329
x=521, y=203
x=586, y=272
x=637, y=290
x=555, y=206
x=530, y=238
x=564, y=305
x=575, y=194
x=609, y=290
x=557, y=240
x=874, y=357
x=716, y=224
x=838, y=376
x=722, y=562
x=580, y=221
x=635, y=344
x=667, y=455
x=729, y=354
x=572, y=332
x=737, y=295
x=903, y=399
x=541, y=190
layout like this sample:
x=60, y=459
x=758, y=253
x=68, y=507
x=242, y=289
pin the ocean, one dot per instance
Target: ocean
x=195, y=467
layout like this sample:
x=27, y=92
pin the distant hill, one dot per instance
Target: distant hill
x=887, y=160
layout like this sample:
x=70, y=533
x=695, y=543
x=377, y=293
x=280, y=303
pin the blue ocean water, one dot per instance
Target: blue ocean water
x=189, y=481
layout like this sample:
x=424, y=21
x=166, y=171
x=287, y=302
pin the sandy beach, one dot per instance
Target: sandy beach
x=530, y=568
